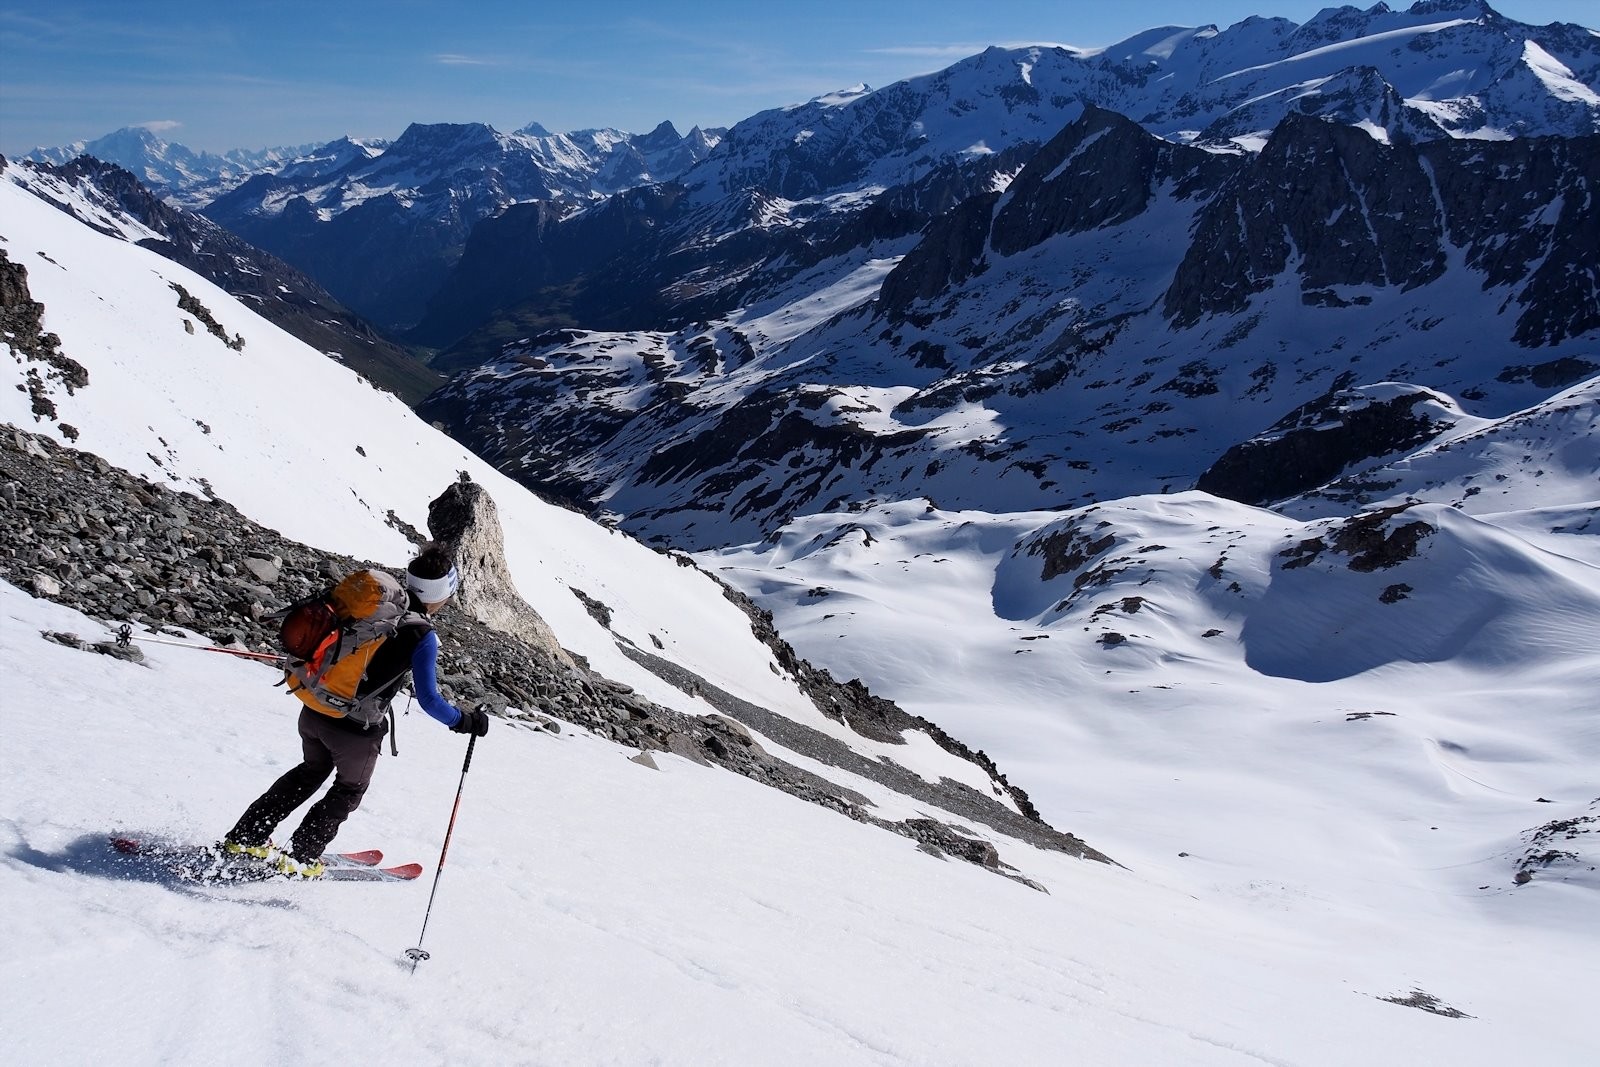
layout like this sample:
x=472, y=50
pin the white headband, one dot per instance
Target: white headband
x=433, y=590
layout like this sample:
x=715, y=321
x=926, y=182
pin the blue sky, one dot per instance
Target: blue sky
x=248, y=74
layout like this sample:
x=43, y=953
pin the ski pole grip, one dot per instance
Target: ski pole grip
x=467, y=763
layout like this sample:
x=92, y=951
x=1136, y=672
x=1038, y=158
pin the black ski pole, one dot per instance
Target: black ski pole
x=418, y=954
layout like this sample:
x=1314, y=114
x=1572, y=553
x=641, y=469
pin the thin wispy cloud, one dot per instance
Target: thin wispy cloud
x=933, y=51
x=159, y=125
x=456, y=59
x=958, y=51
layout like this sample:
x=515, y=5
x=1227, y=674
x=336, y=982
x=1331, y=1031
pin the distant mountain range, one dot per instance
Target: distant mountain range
x=190, y=178
x=411, y=201
x=1114, y=320
x=382, y=224
x=382, y=232
x=1038, y=277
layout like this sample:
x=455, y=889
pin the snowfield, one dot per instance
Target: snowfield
x=1318, y=809
x=594, y=911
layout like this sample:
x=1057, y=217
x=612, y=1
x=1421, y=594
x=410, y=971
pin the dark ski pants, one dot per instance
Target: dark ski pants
x=328, y=745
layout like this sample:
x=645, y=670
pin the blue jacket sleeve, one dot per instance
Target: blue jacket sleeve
x=425, y=681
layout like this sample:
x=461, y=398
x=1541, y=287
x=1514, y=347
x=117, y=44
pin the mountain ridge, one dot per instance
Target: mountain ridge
x=908, y=381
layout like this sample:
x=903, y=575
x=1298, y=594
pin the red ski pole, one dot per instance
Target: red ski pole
x=418, y=954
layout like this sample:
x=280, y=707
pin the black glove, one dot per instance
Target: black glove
x=475, y=722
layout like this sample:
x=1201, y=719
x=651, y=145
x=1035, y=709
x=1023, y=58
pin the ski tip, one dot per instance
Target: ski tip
x=406, y=871
x=369, y=858
x=128, y=846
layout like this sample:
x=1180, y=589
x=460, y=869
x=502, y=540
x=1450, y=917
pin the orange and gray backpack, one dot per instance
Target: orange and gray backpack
x=330, y=641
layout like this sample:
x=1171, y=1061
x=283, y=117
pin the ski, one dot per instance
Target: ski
x=205, y=865
x=405, y=872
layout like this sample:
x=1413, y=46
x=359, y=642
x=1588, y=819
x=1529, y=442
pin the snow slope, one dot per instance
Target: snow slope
x=597, y=912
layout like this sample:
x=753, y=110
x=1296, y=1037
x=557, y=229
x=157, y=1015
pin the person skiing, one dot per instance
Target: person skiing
x=346, y=744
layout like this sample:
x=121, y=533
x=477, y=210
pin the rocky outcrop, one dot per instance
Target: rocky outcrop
x=466, y=522
x=1525, y=215
x=1371, y=541
x=951, y=251
x=1102, y=170
x=1317, y=442
x=22, y=329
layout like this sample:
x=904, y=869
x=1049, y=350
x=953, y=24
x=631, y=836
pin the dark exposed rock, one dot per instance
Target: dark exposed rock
x=1572, y=834
x=597, y=610
x=1371, y=541
x=1342, y=209
x=1350, y=210
x=1553, y=374
x=466, y=522
x=852, y=704
x=951, y=251
x=1102, y=170
x=188, y=302
x=1316, y=442
x=1427, y=1002
x=1067, y=551
x=1547, y=256
x=22, y=328
x=949, y=795
x=1373, y=544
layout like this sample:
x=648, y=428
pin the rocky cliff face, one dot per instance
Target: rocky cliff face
x=1339, y=210
x=1099, y=171
x=22, y=329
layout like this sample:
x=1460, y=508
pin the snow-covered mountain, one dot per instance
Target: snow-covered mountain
x=188, y=177
x=789, y=187
x=113, y=201
x=381, y=231
x=1440, y=68
x=1119, y=317
x=1345, y=761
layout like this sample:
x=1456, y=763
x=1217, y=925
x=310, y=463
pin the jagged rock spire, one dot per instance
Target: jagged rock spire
x=465, y=520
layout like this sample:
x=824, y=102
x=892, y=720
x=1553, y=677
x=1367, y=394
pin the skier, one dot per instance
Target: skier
x=343, y=744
